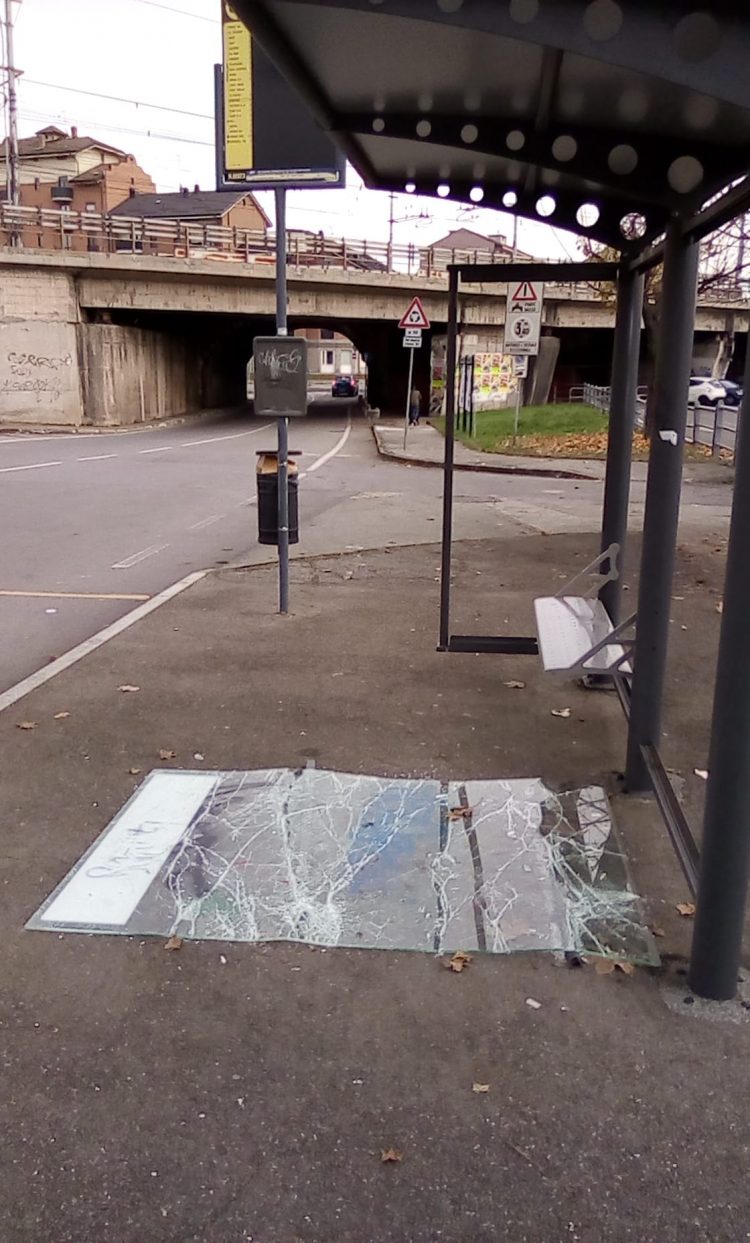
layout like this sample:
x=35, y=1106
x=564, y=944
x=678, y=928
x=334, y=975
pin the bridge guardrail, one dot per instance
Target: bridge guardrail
x=715, y=427
x=44, y=228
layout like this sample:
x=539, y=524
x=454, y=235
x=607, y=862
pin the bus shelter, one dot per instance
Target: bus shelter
x=629, y=124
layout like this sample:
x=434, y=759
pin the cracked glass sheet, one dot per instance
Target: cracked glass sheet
x=333, y=859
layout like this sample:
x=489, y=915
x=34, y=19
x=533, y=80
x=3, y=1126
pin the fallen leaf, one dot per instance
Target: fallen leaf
x=627, y=968
x=604, y=966
x=174, y=943
x=199, y=755
x=134, y=771
x=563, y=712
x=533, y=1004
x=702, y=773
x=391, y=1154
x=165, y=754
x=61, y=716
x=127, y=687
x=686, y=908
x=720, y=607
x=515, y=686
x=26, y=725
x=459, y=960
x=656, y=931
x=480, y=1087
x=460, y=813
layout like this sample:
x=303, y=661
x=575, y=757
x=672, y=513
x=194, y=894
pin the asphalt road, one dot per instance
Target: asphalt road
x=95, y=524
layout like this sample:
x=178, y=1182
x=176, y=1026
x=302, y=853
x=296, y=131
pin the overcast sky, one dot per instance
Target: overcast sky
x=157, y=57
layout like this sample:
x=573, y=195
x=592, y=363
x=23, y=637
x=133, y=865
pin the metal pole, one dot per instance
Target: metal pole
x=282, y=424
x=450, y=418
x=624, y=385
x=13, y=191
x=517, y=410
x=725, y=852
x=661, y=515
x=408, y=394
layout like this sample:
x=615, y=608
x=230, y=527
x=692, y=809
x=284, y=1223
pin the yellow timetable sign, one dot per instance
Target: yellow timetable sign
x=238, y=105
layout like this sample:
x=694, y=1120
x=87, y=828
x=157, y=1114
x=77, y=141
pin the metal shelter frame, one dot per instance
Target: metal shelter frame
x=482, y=101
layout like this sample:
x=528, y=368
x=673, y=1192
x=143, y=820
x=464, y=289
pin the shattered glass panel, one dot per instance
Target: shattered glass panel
x=332, y=859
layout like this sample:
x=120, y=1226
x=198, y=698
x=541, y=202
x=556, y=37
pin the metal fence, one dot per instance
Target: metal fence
x=715, y=427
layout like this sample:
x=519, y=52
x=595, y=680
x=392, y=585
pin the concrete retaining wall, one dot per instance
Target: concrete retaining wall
x=39, y=377
x=134, y=375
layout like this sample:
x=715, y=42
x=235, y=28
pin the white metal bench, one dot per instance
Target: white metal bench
x=575, y=632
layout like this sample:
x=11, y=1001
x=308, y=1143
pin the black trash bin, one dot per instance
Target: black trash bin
x=267, y=473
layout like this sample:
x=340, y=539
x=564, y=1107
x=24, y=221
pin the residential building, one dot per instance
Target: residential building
x=466, y=246
x=70, y=172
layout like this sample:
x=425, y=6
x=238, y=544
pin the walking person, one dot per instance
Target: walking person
x=415, y=406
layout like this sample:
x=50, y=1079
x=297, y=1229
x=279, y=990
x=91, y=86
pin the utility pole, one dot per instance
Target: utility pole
x=12, y=182
x=391, y=222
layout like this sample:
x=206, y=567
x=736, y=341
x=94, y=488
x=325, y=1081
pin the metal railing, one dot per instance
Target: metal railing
x=714, y=427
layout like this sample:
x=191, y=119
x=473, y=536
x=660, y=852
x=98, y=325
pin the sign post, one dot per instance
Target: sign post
x=266, y=138
x=523, y=326
x=412, y=321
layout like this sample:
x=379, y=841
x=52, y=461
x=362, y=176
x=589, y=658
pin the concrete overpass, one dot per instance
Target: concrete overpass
x=120, y=338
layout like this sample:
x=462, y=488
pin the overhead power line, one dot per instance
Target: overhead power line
x=199, y=17
x=121, y=129
x=117, y=99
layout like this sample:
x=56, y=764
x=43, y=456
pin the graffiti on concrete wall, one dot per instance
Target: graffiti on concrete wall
x=40, y=374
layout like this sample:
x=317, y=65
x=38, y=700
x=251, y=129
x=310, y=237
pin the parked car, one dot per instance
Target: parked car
x=705, y=392
x=344, y=386
x=734, y=392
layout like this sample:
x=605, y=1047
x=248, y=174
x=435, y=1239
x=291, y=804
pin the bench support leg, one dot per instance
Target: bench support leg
x=725, y=852
x=670, y=392
x=621, y=423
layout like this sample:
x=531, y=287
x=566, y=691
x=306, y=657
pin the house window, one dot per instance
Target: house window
x=91, y=207
x=329, y=357
x=327, y=334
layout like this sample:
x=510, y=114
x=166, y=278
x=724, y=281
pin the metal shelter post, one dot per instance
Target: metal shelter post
x=670, y=394
x=282, y=424
x=624, y=385
x=450, y=419
x=725, y=851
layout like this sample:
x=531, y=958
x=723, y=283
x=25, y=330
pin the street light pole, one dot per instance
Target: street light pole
x=12, y=185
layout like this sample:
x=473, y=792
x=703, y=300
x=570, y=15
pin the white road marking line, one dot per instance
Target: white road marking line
x=5, y=470
x=127, y=562
x=96, y=457
x=326, y=457
x=75, y=595
x=34, y=680
x=164, y=449
x=205, y=522
x=209, y=440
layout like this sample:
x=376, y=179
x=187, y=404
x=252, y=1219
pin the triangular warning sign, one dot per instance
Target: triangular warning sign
x=414, y=316
x=525, y=292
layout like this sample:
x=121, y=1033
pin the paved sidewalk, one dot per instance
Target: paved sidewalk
x=236, y=1093
x=425, y=446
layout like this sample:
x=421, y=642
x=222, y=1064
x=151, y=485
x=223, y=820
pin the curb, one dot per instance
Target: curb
x=481, y=468
x=96, y=429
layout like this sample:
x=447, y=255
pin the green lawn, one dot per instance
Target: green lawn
x=495, y=427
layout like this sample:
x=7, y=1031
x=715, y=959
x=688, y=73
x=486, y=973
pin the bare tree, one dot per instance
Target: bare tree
x=722, y=274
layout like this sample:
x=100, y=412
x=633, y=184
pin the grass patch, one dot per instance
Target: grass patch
x=567, y=430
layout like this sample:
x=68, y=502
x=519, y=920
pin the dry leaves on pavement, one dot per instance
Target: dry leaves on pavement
x=127, y=688
x=607, y=966
x=514, y=685
x=563, y=712
x=686, y=908
x=26, y=725
x=459, y=961
x=480, y=1087
x=391, y=1154
x=460, y=813
x=702, y=773
x=61, y=716
x=174, y=943
x=134, y=771
x=166, y=754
